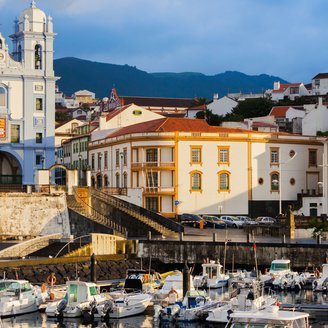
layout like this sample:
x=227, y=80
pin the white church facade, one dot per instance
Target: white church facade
x=27, y=98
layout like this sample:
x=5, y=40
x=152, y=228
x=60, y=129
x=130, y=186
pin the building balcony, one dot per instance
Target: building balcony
x=158, y=190
x=152, y=165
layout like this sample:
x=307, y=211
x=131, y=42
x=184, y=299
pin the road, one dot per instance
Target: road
x=237, y=235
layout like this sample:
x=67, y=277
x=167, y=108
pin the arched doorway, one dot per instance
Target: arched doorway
x=99, y=181
x=10, y=169
x=58, y=174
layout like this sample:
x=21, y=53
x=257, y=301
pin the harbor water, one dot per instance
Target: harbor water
x=319, y=318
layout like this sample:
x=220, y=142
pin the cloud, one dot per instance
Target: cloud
x=281, y=37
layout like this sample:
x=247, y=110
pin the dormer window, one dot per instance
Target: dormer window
x=38, y=57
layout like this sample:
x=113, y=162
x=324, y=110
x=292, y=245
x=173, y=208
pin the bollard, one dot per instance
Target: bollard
x=93, y=272
x=284, y=239
x=318, y=239
x=181, y=236
x=214, y=237
x=149, y=235
x=186, y=279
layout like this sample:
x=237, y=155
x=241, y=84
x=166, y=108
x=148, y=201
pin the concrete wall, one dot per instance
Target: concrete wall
x=25, y=215
x=242, y=254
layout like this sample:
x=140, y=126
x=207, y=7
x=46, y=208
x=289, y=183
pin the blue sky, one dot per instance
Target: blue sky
x=286, y=38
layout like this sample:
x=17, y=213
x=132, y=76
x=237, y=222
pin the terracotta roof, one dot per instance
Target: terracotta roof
x=172, y=125
x=320, y=76
x=159, y=102
x=263, y=124
x=279, y=111
x=284, y=87
x=198, y=108
x=115, y=112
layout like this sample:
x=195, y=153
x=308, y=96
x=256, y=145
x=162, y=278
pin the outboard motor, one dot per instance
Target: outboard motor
x=61, y=307
x=107, y=309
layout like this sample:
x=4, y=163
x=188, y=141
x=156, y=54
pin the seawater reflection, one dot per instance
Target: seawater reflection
x=37, y=320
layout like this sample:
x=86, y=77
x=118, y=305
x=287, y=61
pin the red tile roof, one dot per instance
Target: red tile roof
x=284, y=87
x=279, y=111
x=159, y=102
x=115, y=112
x=172, y=125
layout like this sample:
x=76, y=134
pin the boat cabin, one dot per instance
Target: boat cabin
x=14, y=287
x=80, y=291
x=212, y=269
x=280, y=267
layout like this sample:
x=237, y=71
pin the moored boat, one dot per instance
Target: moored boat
x=18, y=297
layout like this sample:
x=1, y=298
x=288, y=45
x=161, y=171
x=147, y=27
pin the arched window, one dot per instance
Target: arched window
x=195, y=181
x=0, y=44
x=224, y=181
x=275, y=181
x=19, y=53
x=117, y=177
x=93, y=181
x=125, y=180
x=38, y=57
x=3, y=97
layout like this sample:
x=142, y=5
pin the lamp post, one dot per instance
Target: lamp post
x=323, y=184
x=280, y=179
x=121, y=156
x=80, y=170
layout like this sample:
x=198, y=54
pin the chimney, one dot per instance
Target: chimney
x=215, y=96
x=276, y=85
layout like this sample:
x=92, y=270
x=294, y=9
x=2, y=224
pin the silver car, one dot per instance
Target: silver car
x=266, y=220
x=247, y=220
x=232, y=221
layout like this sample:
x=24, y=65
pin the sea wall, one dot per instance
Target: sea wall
x=30, y=215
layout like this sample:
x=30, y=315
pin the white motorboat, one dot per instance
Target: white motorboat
x=321, y=283
x=194, y=307
x=125, y=306
x=172, y=289
x=278, y=269
x=289, y=281
x=79, y=295
x=212, y=276
x=18, y=297
x=269, y=317
x=248, y=300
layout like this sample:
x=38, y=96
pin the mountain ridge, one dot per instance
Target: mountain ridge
x=78, y=74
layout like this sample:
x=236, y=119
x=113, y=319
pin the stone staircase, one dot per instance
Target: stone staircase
x=134, y=212
x=77, y=205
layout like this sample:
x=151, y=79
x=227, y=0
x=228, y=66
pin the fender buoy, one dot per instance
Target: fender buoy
x=173, y=291
x=43, y=288
x=146, y=277
x=51, y=280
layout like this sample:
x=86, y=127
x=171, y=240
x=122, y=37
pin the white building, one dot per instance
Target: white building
x=27, y=98
x=288, y=90
x=222, y=106
x=320, y=84
x=316, y=119
x=174, y=166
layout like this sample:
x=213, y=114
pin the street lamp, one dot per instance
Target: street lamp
x=121, y=155
x=80, y=170
x=280, y=179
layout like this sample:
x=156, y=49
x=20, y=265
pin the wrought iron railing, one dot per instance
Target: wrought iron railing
x=120, y=203
x=100, y=218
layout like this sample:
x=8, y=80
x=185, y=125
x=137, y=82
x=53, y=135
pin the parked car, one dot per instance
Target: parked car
x=247, y=220
x=214, y=222
x=232, y=221
x=192, y=220
x=266, y=220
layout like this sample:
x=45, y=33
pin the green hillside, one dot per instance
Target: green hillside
x=77, y=74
